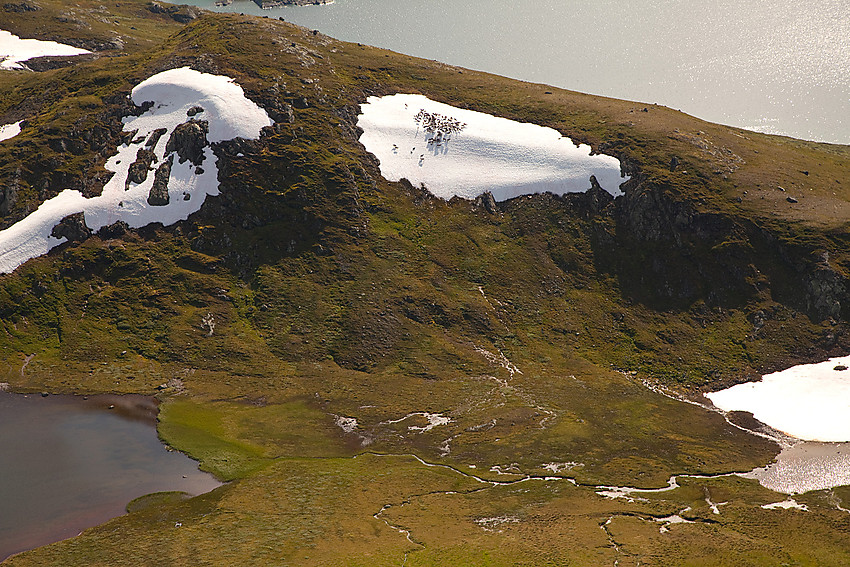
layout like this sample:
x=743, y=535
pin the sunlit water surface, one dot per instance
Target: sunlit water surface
x=806, y=466
x=777, y=66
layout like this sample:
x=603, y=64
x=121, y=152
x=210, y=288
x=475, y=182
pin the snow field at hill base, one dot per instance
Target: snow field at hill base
x=809, y=401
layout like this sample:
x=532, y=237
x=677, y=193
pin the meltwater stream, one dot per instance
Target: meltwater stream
x=68, y=463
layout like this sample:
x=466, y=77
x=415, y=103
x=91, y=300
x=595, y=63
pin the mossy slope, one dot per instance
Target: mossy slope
x=336, y=293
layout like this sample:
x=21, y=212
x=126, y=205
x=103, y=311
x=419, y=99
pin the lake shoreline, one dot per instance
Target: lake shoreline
x=76, y=462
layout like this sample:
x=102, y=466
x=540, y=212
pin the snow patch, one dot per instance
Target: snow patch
x=492, y=524
x=558, y=468
x=347, y=424
x=670, y=520
x=715, y=506
x=786, y=505
x=500, y=360
x=511, y=469
x=505, y=157
x=628, y=493
x=9, y=131
x=809, y=401
x=14, y=50
x=172, y=93
x=433, y=419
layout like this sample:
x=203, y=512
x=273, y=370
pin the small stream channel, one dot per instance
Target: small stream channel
x=68, y=463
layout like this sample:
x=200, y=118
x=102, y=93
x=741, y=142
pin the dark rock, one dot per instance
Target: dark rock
x=158, y=196
x=674, y=163
x=138, y=170
x=73, y=227
x=141, y=109
x=791, y=199
x=236, y=146
x=199, y=171
x=194, y=110
x=189, y=140
x=126, y=138
x=155, y=136
x=20, y=7
x=759, y=319
x=840, y=367
x=48, y=62
x=182, y=14
x=825, y=288
x=598, y=198
x=113, y=230
x=9, y=193
x=487, y=202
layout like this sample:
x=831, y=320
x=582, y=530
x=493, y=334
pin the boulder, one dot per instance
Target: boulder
x=155, y=136
x=487, y=202
x=73, y=227
x=138, y=170
x=182, y=13
x=158, y=195
x=189, y=140
x=113, y=230
x=597, y=197
x=9, y=193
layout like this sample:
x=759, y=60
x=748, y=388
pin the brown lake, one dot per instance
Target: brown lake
x=69, y=463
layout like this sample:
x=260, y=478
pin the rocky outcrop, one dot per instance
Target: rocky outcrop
x=47, y=63
x=138, y=171
x=825, y=288
x=487, y=202
x=155, y=136
x=182, y=14
x=73, y=227
x=114, y=230
x=671, y=254
x=189, y=140
x=597, y=197
x=158, y=196
x=21, y=7
x=9, y=193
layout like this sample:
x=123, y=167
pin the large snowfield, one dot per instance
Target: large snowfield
x=14, y=50
x=505, y=157
x=229, y=114
x=810, y=401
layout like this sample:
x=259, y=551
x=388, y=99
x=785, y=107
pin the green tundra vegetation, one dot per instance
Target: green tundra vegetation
x=547, y=329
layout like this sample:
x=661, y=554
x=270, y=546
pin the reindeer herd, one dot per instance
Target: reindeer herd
x=438, y=128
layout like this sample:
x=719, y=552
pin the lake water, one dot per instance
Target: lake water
x=778, y=66
x=67, y=464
